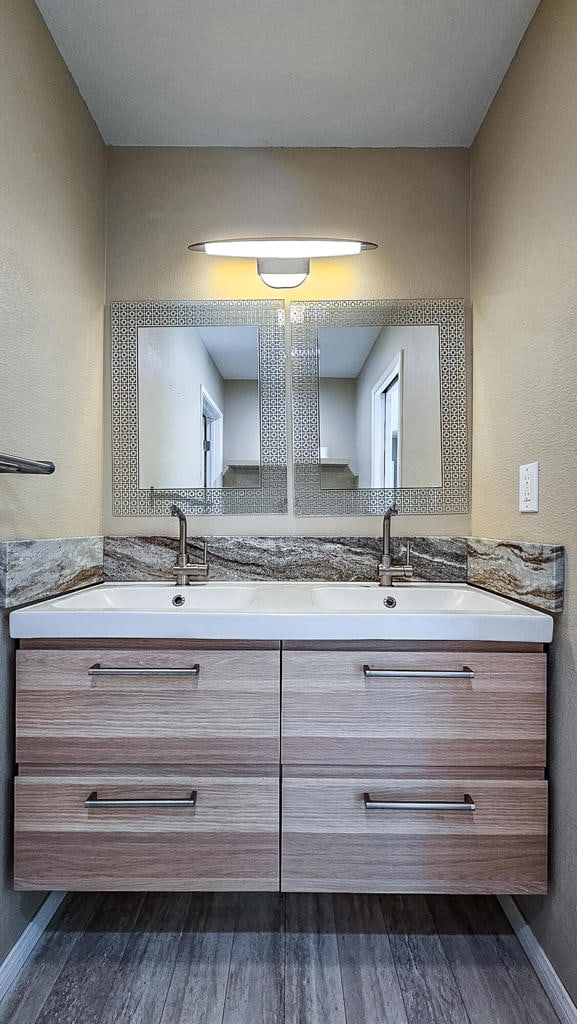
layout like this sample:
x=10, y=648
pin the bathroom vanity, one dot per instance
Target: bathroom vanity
x=407, y=757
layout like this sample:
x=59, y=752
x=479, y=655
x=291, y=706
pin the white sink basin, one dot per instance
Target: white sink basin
x=283, y=611
x=419, y=598
x=202, y=597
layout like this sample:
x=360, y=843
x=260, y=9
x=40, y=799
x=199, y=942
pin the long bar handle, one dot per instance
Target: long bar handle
x=391, y=673
x=93, y=801
x=118, y=670
x=467, y=804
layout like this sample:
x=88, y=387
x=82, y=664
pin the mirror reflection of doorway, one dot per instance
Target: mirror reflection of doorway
x=379, y=407
x=212, y=420
x=198, y=407
x=386, y=400
x=390, y=399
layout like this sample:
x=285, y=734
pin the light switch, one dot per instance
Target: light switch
x=529, y=487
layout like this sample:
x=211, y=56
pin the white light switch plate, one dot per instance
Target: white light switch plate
x=529, y=487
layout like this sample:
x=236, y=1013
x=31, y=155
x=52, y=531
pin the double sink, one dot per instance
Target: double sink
x=284, y=611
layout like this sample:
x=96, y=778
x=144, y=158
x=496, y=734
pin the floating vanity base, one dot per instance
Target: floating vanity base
x=400, y=766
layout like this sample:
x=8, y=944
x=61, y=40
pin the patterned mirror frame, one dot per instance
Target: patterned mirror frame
x=313, y=500
x=128, y=499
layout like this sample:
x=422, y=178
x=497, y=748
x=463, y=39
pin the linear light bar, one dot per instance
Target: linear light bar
x=282, y=249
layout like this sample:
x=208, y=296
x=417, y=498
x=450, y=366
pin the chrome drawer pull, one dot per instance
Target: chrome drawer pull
x=117, y=670
x=468, y=804
x=93, y=801
x=409, y=673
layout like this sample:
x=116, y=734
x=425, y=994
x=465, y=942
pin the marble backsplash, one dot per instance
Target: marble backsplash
x=31, y=570
x=532, y=573
x=529, y=572
x=342, y=559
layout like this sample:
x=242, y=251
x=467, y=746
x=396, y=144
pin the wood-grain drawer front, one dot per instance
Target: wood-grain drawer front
x=227, y=713
x=333, y=713
x=228, y=841
x=332, y=843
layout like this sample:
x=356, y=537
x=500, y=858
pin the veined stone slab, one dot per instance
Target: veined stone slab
x=31, y=570
x=530, y=572
x=335, y=559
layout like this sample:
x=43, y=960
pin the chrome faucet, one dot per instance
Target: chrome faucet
x=182, y=568
x=388, y=572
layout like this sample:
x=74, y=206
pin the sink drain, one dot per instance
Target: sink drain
x=178, y=600
x=390, y=602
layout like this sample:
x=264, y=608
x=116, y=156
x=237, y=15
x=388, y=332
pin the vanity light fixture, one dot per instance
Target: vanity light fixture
x=282, y=262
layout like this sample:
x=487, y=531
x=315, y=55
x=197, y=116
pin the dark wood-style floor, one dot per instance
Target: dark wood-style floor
x=266, y=959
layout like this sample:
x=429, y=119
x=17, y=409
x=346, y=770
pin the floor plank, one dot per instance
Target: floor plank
x=371, y=989
x=24, y=1001
x=84, y=983
x=496, y=980
x=430, y=992
x=198, y=986
x=143, y=976
x=261, y=958
x=255, y=988
x=314, y=993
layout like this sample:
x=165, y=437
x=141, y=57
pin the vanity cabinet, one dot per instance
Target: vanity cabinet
x=147, y=765
x=351, y=833
x=414, y=767
x=148, y=829
x=368, y=706
x=129, y=704
x=406, y=767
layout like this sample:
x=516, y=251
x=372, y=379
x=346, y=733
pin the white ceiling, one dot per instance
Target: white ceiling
x=343, y=350
x=234, y=350
x=288, y=72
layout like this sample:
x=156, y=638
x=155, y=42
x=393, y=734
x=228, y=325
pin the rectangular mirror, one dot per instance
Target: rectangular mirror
x=379, y=407
x=198, y=407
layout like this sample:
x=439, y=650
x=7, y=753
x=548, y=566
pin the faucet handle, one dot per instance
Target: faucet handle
x=408, y=556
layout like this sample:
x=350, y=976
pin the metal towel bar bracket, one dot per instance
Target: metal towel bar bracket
x=13, y=464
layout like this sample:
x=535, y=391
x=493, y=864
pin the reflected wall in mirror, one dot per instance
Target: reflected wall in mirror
x=379, y=407
x=198, y=407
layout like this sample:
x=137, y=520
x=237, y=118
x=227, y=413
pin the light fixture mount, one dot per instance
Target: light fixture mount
x=282, y=262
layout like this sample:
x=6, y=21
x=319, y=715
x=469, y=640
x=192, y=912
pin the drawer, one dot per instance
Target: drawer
x=227, y=841
x=414, y=708
x=331, y=842
x=103, y=706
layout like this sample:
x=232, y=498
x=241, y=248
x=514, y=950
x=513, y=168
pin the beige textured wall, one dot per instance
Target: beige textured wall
x=51, y=297
x=16, y=908
x=51, y=285
x=524, y=287
x=415, y=203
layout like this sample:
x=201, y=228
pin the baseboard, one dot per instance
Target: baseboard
x=550, y=980
x=18, y=955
